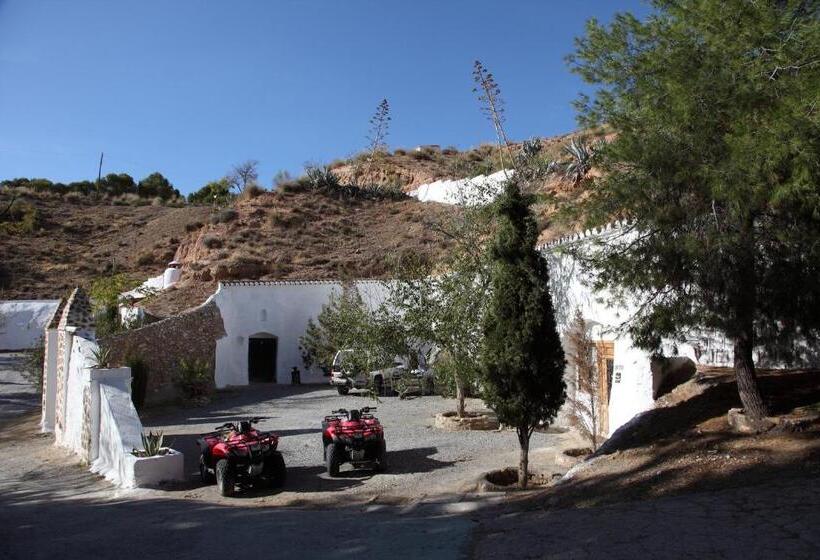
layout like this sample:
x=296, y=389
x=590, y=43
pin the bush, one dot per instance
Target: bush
x=399, y=152
x=139, y=380
x=146, y=258
x=212, y=242
x=194, y=379
x=251, y=191
x=224, y=216
x=193, y=226
x=22, y=219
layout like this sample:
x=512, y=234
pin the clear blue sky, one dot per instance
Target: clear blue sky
x=189, y=87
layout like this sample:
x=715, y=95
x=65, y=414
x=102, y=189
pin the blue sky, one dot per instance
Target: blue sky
x=189, y=87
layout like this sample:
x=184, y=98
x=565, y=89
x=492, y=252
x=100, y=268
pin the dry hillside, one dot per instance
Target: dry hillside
x=76, y=239
x=293, y=233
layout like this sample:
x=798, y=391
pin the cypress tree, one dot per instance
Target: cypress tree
x=522, y=361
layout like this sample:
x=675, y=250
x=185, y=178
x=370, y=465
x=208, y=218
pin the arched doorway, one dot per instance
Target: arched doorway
x=262, y=349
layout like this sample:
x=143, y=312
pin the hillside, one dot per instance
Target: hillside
x=292, y=233
x=76, y=239
x=295, y=233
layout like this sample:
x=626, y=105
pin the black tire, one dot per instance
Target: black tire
x=381, y=457
x=343, y=390
x=378, y=386
x=333, y=459
x=225, y=479
x=204, y=472
x=275, y=471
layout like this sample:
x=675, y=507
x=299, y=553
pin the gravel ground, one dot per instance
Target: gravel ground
x=424, y=462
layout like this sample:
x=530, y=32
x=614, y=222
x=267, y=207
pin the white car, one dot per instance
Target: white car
x=383, y=381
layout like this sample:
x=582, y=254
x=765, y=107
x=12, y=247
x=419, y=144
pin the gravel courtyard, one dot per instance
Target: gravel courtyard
x=424, y=462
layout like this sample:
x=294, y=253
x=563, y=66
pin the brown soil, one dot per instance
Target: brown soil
x=686, y=444
x=77, y=241
x=299, y=234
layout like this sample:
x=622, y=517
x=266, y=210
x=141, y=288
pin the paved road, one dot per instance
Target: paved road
x=777, y=521
x=16, y=395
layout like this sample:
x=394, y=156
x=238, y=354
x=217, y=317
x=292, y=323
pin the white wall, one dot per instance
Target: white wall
x=281, y=309
x=474, y=190
x=22, y=322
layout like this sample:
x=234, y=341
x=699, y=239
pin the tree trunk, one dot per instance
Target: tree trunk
x=524, y=461
x=747, y=386
x=745, y=302
x=459, y=398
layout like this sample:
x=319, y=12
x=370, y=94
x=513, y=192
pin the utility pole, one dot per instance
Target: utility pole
x=99, y=172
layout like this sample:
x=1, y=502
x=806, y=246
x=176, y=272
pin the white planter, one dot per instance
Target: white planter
x=151, y=471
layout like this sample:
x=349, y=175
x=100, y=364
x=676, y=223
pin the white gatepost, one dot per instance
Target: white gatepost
x=120, y=377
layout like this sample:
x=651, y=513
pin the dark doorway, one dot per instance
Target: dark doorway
x=262, y=359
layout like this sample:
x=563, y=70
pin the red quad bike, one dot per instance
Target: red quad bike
x=353, y=436
x=240, y=454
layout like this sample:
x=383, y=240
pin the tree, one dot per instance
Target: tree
x=522, y=359
x=714, y=106
x=156, y=185
x=244, y=174
x=374, y=336
x=118, y=183
x=444, y=305
x=217, y=193
x=585, y=405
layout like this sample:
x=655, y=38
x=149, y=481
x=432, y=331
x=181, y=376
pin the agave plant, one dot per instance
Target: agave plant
x=580, y=163
x=151, y=445
x=101, y=356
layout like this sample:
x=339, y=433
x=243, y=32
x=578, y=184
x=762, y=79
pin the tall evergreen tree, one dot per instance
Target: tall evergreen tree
x=522, y=361
x=715, y=106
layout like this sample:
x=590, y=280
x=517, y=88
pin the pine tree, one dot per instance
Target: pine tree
x=715, y=110
x=522, y=361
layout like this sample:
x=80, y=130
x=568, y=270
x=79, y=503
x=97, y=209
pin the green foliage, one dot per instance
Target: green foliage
x=34, y=363
x=194, y=379
x=139, y=380
x=152, y=445
x=105, y=292
x=156, y=185
x=322, y=178
x=373, y=337
x=19, y=218
x=101, y=356
x=217, y=193
x=522, y=358
x=445, y=308
x=715, y=163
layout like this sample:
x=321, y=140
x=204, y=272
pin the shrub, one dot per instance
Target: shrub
x=193, y=226
x=450, y=151
x=251, y=191
x=22, y=217
x=399, y=152
x=224, y=216
x=139, y=380
x=73, y=197
x=146, y=258
x=212, y=242
x=194, y=379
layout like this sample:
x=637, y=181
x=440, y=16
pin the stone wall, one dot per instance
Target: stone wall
x=161, y=345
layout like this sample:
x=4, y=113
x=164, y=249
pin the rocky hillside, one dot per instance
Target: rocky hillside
x=294, y=233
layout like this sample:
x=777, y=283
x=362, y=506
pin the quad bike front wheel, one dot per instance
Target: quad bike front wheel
x=225, y=478
x=204, y=472
x=333, y=458
x=343, y=390
x=275, y=471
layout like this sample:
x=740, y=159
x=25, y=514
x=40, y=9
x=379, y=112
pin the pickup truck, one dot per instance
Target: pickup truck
x=384, y=381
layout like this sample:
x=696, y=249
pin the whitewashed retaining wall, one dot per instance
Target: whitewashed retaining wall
x=22, y=322
x=474, y=190
x=280, y=309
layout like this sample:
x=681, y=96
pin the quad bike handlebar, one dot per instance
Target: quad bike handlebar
x=234, y=427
